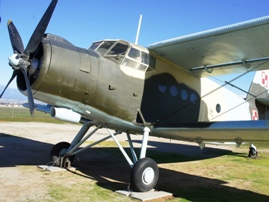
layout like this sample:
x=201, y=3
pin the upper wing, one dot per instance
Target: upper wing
x=230, y=131
x=231, y=49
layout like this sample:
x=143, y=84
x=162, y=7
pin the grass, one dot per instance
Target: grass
x=228, y=177
x=19, y=114
x=82, y=192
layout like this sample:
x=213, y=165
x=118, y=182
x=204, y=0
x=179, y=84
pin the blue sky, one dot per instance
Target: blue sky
x=82, y=21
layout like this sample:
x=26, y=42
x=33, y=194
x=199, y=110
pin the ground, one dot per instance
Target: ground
x=185, y=170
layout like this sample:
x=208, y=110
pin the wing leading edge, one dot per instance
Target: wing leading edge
x=230, y=49
x=231, y=131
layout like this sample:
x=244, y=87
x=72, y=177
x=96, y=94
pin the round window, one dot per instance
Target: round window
x=162, y=87
x=193, y=98
x=184, y=94
x=173, y=91
x=218, y=108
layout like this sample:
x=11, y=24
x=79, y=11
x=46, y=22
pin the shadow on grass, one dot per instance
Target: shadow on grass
x=110, y=170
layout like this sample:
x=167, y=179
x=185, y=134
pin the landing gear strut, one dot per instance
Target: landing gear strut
x=144, y=174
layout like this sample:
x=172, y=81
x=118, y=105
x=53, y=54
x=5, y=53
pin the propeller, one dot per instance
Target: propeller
x=20, y=60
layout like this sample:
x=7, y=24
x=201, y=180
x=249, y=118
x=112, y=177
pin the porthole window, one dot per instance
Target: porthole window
x=162, y=87
x=173, y=91
x=184, y=95
x=193, y=98
x=218, y=108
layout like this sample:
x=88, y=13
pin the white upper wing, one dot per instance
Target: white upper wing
x=231, y=49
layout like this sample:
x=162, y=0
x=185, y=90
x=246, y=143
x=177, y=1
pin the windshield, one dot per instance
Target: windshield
x=110, y=48
x=95, y=45
x=118, y=49
x=105, y=46
x=123, y=53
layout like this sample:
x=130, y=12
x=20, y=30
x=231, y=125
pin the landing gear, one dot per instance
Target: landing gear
x=145, y=172
x=252, y=151
x=57, y=155
x=144, y=175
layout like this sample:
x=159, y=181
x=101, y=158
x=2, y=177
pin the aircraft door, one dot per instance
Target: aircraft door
x=86, y=76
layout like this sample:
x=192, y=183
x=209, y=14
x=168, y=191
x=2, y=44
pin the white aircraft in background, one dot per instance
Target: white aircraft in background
x=162, y=90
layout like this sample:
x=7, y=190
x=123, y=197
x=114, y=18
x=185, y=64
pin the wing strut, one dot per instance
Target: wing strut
x=240, y=89
x=144, y=171
x=245, y=63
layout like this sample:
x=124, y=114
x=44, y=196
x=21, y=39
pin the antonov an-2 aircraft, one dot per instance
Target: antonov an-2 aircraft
x=162, y=90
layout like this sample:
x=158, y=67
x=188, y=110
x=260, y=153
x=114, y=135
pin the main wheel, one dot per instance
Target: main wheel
x=144, y=175
x=252, y=153
x=58, y=151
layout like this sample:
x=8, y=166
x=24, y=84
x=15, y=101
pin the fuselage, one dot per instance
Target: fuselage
x=113, y=80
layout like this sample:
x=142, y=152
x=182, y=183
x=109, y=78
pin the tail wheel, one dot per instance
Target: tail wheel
x=144, y=175
x=58, y=151
x=252, y=153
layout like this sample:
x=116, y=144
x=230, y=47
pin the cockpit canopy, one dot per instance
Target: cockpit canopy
x=124, y=53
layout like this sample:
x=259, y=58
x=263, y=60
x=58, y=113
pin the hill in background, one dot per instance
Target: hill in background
x=12, y=95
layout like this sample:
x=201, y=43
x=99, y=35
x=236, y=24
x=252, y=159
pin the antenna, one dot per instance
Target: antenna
x=138, y=29
x=0, y=12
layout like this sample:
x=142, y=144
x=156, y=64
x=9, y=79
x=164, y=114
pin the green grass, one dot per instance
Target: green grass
x=229, y=177
x=82, y=192
x=77, y=186
x=19, y=114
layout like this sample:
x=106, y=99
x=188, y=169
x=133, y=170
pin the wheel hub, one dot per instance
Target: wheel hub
x=148, y=175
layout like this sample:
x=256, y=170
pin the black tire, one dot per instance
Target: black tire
x=144, y=175
x=58, y=150
x=252, y=152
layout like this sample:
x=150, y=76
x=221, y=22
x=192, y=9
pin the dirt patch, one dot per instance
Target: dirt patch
x=20, y=184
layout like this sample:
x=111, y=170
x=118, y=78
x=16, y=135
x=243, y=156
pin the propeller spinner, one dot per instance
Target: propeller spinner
x=20, y=59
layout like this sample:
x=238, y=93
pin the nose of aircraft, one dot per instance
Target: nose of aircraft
x=20, y=60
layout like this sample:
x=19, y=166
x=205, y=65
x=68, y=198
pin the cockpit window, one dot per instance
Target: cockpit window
x=123, y=53
x=111, y=49
x=118, y=49
x=105, y=46
x=139, y=56
x=137, y=59
x=95, y=45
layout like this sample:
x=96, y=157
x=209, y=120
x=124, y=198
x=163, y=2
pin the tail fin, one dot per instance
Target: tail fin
x=258, y=95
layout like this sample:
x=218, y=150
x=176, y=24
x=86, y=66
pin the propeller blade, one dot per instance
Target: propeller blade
x=15, y=73
x=40, y=29
x=15, y=38
x=29, y=91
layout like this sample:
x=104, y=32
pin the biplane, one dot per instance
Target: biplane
x=163, y=90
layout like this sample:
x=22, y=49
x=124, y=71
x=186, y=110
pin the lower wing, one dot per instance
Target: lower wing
x=228, y=131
